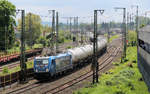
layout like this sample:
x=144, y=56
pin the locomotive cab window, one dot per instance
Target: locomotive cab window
x=45, y=61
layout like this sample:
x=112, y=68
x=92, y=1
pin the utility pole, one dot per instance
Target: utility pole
x=74, y=27
x=67, y=24
x=70, y=27
x=124, y=32
x=77, y=29
x=106, y=26
x=95, y=48
x=57, y=31
x=6, y=30
x=137, y=26
x=22, y=61
x=124, y=24
x=53, y=32
x=30, y=30
x=74, y=24
x=128, y=16
x=130, y=22
x=95, y=65
x=145, y=18
x=82, y=30
x=108, y=34
x=5, y=38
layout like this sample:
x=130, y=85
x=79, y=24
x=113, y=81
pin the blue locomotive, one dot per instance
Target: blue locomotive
x=53, y=64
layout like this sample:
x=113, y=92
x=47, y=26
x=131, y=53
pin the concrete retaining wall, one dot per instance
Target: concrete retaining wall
x=144, y=54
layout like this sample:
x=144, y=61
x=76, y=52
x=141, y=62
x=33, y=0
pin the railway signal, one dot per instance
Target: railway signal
x=95, y=65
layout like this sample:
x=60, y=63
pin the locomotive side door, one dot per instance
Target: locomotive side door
x=52, y=67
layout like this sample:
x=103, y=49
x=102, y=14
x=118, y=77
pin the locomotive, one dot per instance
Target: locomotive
x=52, y=65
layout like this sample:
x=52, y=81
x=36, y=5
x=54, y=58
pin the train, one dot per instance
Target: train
x=70, y=59
x=5, y=59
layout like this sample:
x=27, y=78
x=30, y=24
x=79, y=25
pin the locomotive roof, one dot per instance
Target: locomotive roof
x=42, y=57
x=52, y=57
x=61, y=55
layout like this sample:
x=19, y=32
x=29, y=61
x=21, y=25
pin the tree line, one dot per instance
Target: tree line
x=34, y=30
x=7, y=22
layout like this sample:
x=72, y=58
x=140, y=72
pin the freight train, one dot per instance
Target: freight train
x=53, y=65
x=5, y=59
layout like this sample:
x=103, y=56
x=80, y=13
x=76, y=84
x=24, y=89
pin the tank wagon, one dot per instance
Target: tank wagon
x=144, y=53
x=53, y=65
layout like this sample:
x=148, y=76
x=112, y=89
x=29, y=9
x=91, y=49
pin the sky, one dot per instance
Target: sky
x=82, y=8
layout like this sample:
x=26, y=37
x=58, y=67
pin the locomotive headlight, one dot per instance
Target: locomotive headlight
x=47, y=70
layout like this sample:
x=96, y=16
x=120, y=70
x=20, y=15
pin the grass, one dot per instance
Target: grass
x=113, y=37
x=67, y=40
x=125, y=78
x=37, y=46
x=7, y=71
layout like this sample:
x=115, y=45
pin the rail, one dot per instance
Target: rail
x=63, y=86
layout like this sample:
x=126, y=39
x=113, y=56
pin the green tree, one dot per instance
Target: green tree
x=33, y=28
x=42, y=40
x=132, y=36
x=7, y=22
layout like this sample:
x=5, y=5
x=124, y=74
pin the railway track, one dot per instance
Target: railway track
x=80, y=78
x=7, y=59
x=15, y=64
x=61, y=87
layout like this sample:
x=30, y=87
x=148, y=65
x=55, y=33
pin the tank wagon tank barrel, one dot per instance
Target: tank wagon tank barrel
x=80, y=53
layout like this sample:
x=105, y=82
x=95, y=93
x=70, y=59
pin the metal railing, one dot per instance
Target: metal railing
x=9, y=79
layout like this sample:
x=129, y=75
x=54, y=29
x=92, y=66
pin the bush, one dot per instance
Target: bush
x=5, y=69
x=108, y=83
x=42, y=40
x=61, y=40
x=132, y=38
x=30, y=64
x=17, y=43
x=69, y=47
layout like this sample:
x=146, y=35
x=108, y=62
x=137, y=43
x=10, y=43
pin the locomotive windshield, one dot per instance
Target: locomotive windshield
x=41, y=61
